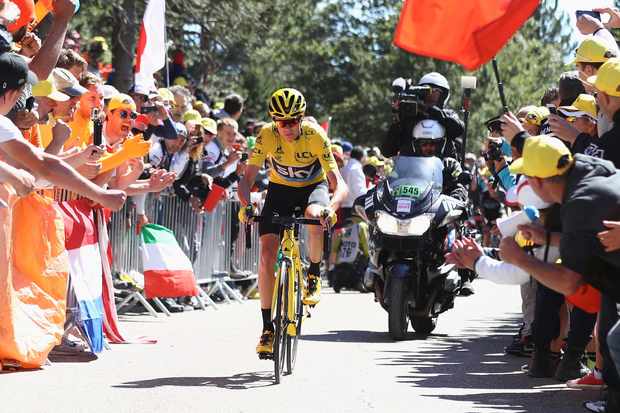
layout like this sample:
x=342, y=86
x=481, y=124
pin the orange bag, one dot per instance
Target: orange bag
x=34, y=271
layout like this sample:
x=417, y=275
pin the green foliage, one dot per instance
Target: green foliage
x=338, y=53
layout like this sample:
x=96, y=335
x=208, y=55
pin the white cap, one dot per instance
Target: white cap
x=436, y=79
x=109, y=91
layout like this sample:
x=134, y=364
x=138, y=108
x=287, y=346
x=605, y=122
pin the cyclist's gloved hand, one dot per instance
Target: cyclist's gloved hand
x=245, y=213
x=328, y=217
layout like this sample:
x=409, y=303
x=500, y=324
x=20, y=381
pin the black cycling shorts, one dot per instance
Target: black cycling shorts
x=283, y=200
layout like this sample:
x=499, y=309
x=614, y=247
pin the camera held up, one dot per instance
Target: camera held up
x=408, y=101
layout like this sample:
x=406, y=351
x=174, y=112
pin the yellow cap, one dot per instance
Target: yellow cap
x=374, y=161
x=584, y=105
x=210, y=125
x=522, y=112
x=607, y=79
x=101, y=40
x=543, y=157
x=166, y=94
x=122, y=101
x=593, y=50
x=536, y=115
x=337, y=149
x=192, y=114
x=180, y=81
x=46, y=88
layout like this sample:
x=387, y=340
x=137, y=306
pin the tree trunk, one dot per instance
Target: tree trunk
x=124, y=45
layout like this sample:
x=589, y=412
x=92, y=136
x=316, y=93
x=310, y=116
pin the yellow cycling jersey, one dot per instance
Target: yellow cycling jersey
x=302, y=162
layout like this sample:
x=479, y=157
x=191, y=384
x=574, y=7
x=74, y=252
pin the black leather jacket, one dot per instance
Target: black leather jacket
x=399, y=137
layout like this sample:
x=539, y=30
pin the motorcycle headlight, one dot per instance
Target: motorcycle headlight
x=416, y=226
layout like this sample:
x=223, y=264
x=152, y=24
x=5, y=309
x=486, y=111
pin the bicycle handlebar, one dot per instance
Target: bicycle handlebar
x=287, y=221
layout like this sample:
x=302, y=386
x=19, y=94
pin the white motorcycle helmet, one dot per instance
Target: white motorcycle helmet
x=429, y=131
x=437, y=80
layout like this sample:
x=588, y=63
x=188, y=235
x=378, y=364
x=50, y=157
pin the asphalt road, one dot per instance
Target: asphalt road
x=205, y=362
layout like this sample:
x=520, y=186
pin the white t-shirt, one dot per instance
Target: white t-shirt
x=213, y=152
x=8, y=130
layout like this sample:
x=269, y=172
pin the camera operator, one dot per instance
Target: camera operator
x=493, y=180
x=496, y=157
x=412, y=104
x=159, y=124
x=192, y=185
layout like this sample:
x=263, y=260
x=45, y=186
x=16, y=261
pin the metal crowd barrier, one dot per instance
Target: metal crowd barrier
x=207, y=239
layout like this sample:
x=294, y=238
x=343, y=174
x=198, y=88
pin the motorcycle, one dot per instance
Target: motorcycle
x=412, y=226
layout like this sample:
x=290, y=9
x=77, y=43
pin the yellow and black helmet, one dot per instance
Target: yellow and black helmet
x=287, y=103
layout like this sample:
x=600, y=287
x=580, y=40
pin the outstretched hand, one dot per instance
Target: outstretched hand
x=610, y=238
x=464, y=253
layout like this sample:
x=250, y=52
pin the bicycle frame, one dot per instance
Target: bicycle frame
x=288, y=319
x=289, y=247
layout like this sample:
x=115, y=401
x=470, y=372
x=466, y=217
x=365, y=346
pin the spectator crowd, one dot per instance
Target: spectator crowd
x=558, y=156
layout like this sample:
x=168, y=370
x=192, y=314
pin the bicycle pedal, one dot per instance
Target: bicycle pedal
x=265, y=356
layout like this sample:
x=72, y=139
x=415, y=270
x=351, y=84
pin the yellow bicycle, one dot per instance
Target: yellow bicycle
x=288, y=309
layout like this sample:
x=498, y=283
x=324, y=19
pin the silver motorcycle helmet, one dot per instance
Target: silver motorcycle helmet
x=426, y=132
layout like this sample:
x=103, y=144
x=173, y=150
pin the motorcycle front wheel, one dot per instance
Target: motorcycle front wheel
x=424, y=325
x=398, y=318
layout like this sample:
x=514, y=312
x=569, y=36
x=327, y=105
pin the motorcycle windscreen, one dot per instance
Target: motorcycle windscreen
x=413, y=184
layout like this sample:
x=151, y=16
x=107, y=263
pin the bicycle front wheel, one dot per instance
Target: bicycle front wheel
x=292, y=341
x=280, y=322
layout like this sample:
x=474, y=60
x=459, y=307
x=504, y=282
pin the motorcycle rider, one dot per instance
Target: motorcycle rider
x=433, y=107
x=429, y=139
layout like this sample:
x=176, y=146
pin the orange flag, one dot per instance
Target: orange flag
x=34, y=271
x=466, y=32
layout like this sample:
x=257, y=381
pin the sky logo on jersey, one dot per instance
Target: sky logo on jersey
x=297, y=173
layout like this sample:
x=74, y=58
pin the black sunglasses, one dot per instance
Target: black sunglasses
x=124, y=114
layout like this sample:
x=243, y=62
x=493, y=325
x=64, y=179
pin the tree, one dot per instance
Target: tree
x=338, y=53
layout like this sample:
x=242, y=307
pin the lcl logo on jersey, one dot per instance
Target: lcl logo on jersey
x=297, y=173
x=302, y=156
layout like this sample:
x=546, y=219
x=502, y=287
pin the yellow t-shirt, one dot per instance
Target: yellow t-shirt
x=81, y=132
x=303, y=162
x=45, y=134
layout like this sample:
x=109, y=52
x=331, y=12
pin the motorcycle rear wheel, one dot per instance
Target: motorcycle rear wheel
x=398, y=317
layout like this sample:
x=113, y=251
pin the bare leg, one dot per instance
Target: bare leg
x=268, y=254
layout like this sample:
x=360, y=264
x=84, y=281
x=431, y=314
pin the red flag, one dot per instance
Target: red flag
x=466, y=32
x=325, y=125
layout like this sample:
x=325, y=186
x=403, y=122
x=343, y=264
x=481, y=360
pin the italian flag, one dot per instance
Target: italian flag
x=167, y=270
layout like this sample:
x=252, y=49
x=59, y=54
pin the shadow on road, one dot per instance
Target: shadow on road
x=242, y=381
x=472, y=368
x=362, y=336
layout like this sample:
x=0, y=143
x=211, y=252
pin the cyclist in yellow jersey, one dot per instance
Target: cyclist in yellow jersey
x=301, y=165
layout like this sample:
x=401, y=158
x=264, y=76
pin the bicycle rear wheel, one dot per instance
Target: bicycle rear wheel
x=279, y=344
x=293, y=341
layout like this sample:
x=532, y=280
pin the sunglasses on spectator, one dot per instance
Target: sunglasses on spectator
x=287, y=123
x=124, y=114
x=531, y=119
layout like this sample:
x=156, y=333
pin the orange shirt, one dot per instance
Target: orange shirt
x=32, y=135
